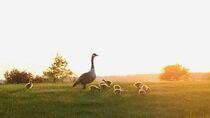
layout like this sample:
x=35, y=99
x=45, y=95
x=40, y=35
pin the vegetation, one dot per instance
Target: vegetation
x=16, y=76
x=189, y=99
x=175, y=72
x=179, y=99
x=58, y=70
x=38, y=79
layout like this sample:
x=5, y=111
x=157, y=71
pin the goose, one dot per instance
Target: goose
x=89, y=76
x=29, y=85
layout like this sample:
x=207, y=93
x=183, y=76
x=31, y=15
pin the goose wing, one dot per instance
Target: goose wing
x=81, y=78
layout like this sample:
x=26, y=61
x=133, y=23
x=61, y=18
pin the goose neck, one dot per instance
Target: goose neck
x=92, y=62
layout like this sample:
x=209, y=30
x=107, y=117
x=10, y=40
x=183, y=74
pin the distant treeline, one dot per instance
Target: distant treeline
x=57, y=71
x=151, y=77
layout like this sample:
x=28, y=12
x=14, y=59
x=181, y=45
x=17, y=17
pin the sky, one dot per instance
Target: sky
x=130, y=36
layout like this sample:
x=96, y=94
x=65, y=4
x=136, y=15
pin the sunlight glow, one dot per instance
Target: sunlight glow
x=130, y=37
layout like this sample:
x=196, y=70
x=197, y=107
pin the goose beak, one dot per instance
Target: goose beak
x=97, y=55
x=94, y=55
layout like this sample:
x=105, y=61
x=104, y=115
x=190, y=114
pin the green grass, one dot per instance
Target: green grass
x=166, y=100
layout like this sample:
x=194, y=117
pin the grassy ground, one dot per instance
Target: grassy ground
x=166, y=100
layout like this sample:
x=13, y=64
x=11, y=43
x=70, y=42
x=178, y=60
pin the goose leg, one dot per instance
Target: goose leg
x=84, y=86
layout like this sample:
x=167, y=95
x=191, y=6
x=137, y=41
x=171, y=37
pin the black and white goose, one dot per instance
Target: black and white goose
x=87, y=77
x=29, y=85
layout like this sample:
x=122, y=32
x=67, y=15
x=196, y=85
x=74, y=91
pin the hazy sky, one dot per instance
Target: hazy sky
x=130, y=36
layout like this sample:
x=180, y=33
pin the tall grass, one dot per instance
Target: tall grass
x=166, y=100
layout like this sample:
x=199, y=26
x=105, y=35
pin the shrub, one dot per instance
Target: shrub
x=174, y=72
x=38, y=79
x=16, y=76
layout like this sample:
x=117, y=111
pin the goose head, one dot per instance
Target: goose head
x=92, y=60
x=94, y=55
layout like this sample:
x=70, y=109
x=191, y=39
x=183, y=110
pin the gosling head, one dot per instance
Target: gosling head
x=30, y=81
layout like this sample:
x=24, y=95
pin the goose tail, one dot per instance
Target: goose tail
x=77, y=82
x=74, y=84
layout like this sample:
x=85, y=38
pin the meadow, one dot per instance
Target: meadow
x=184, y=99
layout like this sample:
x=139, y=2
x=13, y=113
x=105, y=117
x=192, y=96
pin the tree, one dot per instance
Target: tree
x=38, y=79
x=58, y=70
x=174, y=72
x=16, y=76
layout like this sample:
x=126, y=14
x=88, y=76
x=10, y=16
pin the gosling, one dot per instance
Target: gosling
x=142, y=92
x=107, y=82
x=94, y=88
x=138, y=84
x=119, y=91
x=146, y=88
x=104, y=86
x=29, y=85
x=101, y=83
x=117, y=87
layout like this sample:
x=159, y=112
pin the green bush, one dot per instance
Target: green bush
x=16, y=76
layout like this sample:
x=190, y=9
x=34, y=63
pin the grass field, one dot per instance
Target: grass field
x=166, y=100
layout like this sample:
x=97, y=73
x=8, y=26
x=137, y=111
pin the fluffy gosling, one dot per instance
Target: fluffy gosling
x=117, y=91
x=138, y=84
x=29, y=85
x=94, y=88
x=107, y=82
x=117, y=87
x=146, y=88
x=142, y=92
x=123, y=91
x=101, y=83
x=104, y=86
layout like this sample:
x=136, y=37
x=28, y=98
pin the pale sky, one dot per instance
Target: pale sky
x=130, y=36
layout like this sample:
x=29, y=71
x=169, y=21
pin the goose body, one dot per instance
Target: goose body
x=89, y=76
